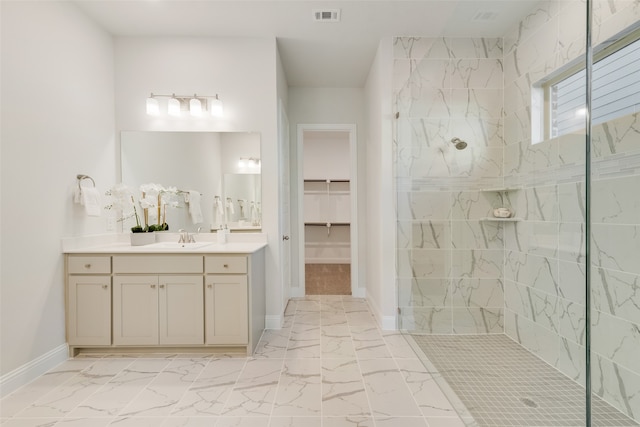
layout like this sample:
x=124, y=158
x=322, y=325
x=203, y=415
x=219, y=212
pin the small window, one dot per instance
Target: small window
x=615, y=91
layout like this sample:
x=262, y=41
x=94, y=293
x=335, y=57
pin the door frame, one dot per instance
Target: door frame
x=356, y=290
x=284, y=204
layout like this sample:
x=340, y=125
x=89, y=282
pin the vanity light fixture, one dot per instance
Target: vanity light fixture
x=249, y=162
x=217, y=109
x=195, y=107
x=195, y=104
x=153, y=107
x=173, y=106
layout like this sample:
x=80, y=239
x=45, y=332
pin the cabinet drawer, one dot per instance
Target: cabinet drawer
x=89, y=264
x=226, y=264
x=157, y=264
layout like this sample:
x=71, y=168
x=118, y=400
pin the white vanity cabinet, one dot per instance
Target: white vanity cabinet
x=226, y=300
x=180, y=302
x=165, y=309
x=89, y=300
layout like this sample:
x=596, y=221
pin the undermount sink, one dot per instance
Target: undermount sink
x=175, y=245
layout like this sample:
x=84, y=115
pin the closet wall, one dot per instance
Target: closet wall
x=327, y=213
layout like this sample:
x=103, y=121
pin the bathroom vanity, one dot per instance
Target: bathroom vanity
x=165, y=297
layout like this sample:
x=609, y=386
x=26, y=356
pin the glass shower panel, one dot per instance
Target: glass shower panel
x=495, y=304
x=615, y=216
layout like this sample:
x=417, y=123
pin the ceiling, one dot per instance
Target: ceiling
x=314, y=54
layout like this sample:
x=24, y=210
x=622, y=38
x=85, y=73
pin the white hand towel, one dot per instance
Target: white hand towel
x=254, y=213
x=91, y=201
x=194, y=207
x=230, y=206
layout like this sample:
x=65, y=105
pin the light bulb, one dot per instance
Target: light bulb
x=195, y=107
x=173, y=107
x=153, y=108
x=217, y=109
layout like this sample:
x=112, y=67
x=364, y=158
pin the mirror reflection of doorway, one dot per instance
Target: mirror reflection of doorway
x=327, y=212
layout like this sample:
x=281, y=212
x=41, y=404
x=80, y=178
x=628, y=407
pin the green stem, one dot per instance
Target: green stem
x=135, y=211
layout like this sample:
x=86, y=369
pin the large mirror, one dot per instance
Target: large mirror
x=216, y=175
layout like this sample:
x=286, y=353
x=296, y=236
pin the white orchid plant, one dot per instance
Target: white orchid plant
x=154, y=201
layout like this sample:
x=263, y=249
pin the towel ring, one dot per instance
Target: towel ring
x=81, y=177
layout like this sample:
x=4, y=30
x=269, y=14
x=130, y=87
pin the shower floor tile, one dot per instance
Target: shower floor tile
x=502, y=384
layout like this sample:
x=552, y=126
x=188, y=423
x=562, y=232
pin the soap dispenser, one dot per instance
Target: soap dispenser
x=222, y=235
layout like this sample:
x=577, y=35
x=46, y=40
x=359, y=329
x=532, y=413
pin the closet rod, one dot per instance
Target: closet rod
x=325, y=180
x=324, y=224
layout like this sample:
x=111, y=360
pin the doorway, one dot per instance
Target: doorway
x=327, y=209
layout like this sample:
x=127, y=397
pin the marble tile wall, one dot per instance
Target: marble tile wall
x=459, y=274
x=449, y=259
x=545, y=267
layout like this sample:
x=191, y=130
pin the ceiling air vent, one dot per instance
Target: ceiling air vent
x=326, y=15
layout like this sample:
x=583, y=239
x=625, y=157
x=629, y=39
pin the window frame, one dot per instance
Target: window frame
x=542, y=91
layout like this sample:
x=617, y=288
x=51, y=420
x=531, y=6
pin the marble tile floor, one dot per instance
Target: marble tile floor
x=330, y=366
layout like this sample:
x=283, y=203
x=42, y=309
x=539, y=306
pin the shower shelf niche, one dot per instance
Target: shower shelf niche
x=502, y=191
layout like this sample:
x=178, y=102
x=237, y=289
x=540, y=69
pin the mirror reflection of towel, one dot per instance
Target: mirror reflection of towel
x=194, y=207
x=230, y=206
x=218, y=212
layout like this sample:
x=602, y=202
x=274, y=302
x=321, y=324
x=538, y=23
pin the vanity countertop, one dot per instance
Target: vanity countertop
x=119, y=245
x=210, y=248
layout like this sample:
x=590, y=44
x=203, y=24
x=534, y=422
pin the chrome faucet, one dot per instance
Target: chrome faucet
x=185, y=237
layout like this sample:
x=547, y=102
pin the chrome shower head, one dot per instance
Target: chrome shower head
x=458, y=143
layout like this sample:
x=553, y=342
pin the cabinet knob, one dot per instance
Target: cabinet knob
x=161, y=286
x=153, y=286
x=209, y=286
x=225, y=265
x=105, y=286
x=87, y=266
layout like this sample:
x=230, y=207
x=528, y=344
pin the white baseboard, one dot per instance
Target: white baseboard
x=273, y=321
x=359, y=292
x=389, y=323
x=297, y=292
x=386, y=323
x=26, y=373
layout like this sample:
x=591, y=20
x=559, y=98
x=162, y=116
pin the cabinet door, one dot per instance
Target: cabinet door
x=89, y=310
x=226, y=309
x=135, y=310
x=181, y=310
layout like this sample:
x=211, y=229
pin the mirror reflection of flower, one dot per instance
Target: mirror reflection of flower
x=154, y=202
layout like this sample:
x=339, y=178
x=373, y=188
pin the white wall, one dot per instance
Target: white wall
x=326, y=157
x=57, y=121
x=380, y=197
x=243, y=72
x=328, y=106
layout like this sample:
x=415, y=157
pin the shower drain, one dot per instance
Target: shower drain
x=530, y=403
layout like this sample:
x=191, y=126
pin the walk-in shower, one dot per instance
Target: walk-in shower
x=501, y=306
